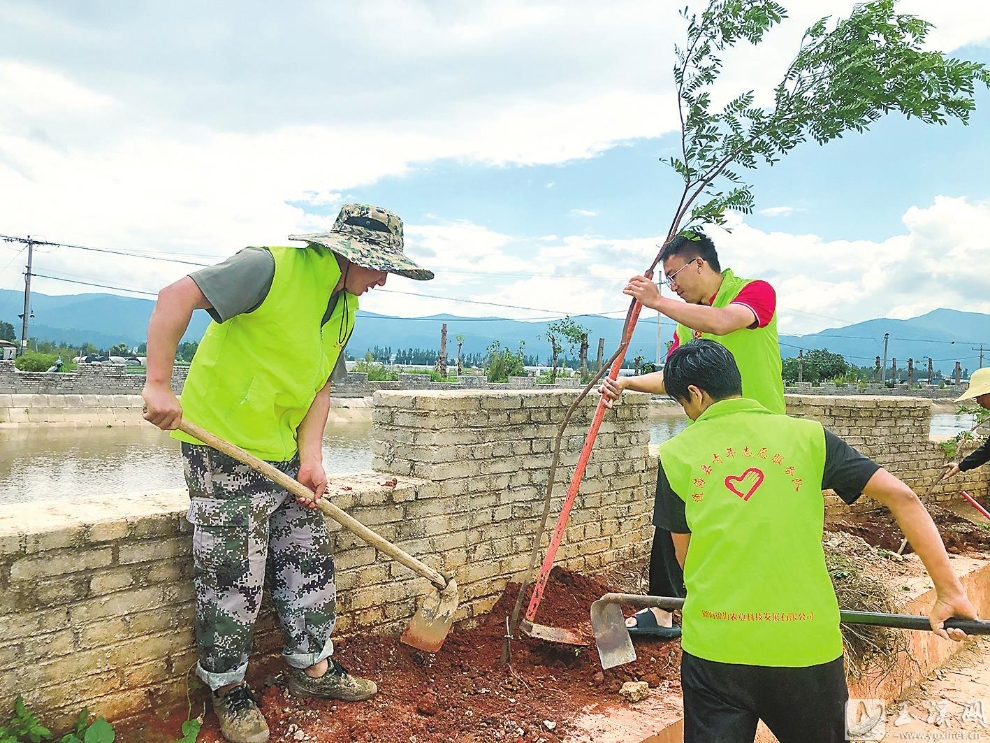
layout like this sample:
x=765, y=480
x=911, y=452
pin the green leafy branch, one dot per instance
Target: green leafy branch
x=844, y=77
x=24, y=727
x=954, y=446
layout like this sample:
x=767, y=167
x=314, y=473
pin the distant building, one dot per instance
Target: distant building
x=8, y=350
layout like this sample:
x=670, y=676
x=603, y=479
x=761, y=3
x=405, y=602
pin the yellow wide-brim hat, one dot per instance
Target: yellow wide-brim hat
x=979, y=384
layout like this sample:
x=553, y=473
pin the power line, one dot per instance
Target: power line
x=89, y=283
x=155, y=256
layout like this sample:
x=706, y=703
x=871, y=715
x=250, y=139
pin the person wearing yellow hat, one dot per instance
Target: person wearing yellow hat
x=979, y=390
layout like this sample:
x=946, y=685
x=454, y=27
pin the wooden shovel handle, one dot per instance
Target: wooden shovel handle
x=301, y=491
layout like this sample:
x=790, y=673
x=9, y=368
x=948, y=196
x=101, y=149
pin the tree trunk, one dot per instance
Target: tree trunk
x=441, y=367
x=460, y=362
x=584, y=357
x=601, y=355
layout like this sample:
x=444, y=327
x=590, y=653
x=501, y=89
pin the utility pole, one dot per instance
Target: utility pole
x=883, y=371
x=980, y=349
x=27, y=297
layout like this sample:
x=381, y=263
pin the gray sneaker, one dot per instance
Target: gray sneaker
x=336, y=683
x=240, y=719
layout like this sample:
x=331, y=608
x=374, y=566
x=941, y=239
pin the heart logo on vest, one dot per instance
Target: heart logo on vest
x=746, y=484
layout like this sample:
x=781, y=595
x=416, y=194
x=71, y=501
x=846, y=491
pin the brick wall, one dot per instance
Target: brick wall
x=922, y=389
x=43, y=410
x=894, y=432
x=88, y=379
x=96, y=596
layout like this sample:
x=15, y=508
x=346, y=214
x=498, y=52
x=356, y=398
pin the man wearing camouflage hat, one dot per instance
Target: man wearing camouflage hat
x=261, y=380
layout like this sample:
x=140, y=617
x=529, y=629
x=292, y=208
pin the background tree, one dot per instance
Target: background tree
x=567, y=331
x=186, y=350
x=460, y=344
x=120, y=349
x=32, y=361
x=503, y=363
x=846, y=75
x=7, y=331
x=441, y=365
x=820, y=365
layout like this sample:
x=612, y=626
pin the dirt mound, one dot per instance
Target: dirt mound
x=464, y=692
x=879, y=529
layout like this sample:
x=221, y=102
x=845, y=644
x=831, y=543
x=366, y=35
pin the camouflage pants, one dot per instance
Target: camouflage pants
x=245, y=527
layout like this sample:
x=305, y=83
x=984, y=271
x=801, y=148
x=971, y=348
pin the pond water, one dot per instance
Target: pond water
x=45, y=463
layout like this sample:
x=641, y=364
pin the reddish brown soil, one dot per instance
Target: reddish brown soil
x=879, y=529
x=464, y=692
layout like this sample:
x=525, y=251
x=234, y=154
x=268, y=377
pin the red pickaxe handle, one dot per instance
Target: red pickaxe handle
x=589, y=442
x=976, y=505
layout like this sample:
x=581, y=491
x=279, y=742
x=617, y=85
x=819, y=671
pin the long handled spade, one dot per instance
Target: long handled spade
x=615, y=647
x=528, y=624
x=429, y=626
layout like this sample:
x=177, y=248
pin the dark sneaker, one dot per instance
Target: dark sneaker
x=240, y=719
x=336, y=683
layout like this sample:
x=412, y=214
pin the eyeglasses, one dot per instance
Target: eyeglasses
x=669, y=280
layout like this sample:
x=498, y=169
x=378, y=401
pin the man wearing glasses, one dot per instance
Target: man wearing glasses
x=718, y=305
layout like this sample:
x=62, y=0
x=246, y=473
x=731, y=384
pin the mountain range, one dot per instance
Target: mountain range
x=945, y=335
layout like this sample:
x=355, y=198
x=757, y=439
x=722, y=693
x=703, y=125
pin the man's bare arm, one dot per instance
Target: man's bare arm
x=169, y=320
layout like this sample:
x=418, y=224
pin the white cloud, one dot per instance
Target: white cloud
x=829, y=283
x=187, y=128
x=778, y=211
x=819, y=283
x=583, y=213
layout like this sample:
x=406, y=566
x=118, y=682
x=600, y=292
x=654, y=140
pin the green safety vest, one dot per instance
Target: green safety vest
x=756, y=350
x=758, y=591
x=255, y=376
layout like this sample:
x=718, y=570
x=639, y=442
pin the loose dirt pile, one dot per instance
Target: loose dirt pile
x=464, y=692
x=878, y=528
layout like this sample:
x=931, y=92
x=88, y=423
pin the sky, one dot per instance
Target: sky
x=519, y=141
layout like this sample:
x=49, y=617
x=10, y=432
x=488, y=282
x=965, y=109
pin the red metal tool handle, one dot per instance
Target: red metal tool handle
x=589, y=442
x=976, y=505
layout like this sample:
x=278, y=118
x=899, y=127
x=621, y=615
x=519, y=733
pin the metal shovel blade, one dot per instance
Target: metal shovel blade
x=552, y=634
x=429, y=626
x=609, y=625
x=615, y=647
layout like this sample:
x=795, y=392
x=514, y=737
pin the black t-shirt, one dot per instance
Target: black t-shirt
x=846, y=472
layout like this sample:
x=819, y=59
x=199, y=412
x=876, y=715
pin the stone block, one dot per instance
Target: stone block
x=59, y=563
x=153, y=549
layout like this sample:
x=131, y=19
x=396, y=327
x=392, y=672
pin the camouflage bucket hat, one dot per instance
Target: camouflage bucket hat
x=370, y=237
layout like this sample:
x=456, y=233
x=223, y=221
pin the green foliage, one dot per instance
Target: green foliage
x=845, y=76
x=819, y=365
x=34, y=362
x=99, y=731
x=7, y=331
x=119, y=349
x=23, y=726
x=567, y=331
x=190, y=730
x=185, y=351
x=503, y=363
x=375, y=372
x=435, y=376
x=952, y=447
